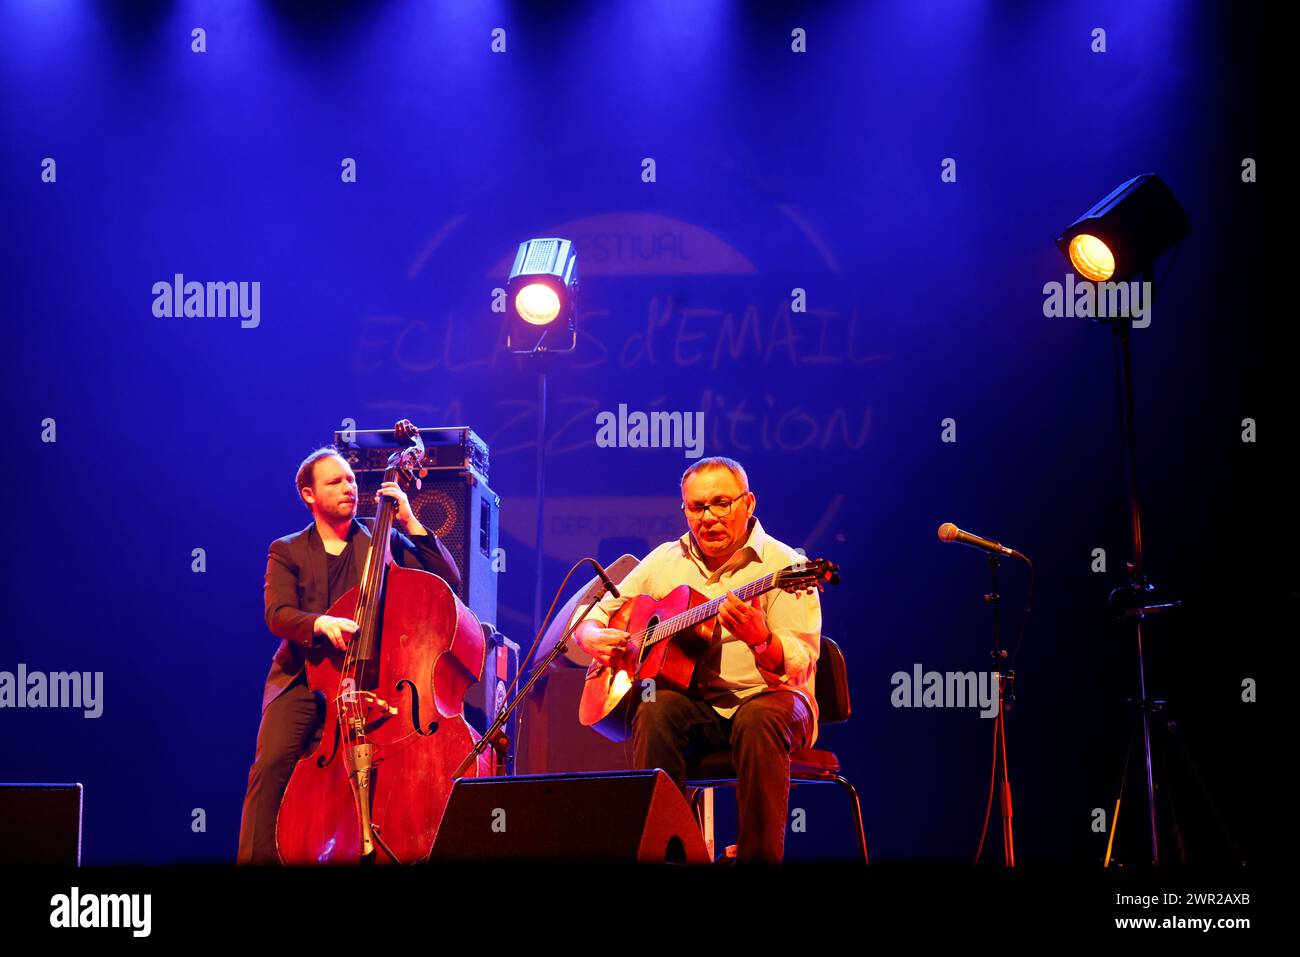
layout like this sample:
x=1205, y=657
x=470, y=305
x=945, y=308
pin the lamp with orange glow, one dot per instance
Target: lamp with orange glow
x=541, y=296
x=1117, y=241
x=1124, y=234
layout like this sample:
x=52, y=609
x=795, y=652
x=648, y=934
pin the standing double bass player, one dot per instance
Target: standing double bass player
x=305, y=573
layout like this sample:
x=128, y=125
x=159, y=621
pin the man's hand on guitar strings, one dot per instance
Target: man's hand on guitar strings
x=601, y=643
x=746, y=622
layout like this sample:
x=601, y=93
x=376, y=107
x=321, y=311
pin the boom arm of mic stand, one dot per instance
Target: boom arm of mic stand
x=503, y=716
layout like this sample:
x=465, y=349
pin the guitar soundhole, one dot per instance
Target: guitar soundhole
x=650, y=627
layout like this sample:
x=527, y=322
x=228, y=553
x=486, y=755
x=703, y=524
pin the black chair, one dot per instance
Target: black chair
x=807, y=765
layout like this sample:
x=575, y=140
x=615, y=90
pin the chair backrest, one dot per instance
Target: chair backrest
x=832, y=684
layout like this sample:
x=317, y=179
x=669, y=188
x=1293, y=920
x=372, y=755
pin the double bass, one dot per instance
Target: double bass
x=376, y=787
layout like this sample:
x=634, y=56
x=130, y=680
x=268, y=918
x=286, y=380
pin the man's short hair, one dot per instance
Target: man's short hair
x=719, y=462
x=306, y=477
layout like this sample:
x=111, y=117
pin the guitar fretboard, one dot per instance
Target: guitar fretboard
x=693, y=616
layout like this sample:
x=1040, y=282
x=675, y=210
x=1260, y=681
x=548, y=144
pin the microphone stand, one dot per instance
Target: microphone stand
x=1006, y=695
x=494, y=736
x=1006, y=685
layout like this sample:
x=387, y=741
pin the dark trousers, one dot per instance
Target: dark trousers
x=290, y=726
x=761, y=734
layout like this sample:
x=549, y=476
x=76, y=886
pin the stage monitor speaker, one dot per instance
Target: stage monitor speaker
x=461, y=510
x=40, y=824
x=632, y=816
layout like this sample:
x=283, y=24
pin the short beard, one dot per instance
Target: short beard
x=338, y=514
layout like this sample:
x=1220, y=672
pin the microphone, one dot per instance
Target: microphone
x=948, y=532
x=609, y=585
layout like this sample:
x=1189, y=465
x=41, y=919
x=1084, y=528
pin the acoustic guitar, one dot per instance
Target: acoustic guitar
x=668, y=636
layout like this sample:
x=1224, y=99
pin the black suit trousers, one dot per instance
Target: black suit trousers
x=291, y=726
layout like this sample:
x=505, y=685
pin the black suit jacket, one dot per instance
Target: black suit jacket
x=297, y=589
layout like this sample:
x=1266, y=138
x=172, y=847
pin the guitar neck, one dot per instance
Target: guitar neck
x=693, y=616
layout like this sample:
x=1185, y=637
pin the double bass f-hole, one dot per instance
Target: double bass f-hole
x=324, y=761
x=405, y=684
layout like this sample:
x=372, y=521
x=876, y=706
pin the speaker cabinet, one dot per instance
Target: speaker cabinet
x=461, y=510
x=40, y=824
x=486, y=698
x=623, y=816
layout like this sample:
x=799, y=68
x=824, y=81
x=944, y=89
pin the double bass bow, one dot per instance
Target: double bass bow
x=376, y=787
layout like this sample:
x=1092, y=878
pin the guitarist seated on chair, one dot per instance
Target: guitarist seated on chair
x=753, y=688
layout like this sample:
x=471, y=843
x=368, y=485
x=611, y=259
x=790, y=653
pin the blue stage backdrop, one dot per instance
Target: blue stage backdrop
x=826, y=229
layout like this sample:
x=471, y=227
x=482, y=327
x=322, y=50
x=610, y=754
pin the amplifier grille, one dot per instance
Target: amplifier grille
x=461, y=513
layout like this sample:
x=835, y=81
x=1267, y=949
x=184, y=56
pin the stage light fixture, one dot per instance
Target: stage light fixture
x=1123, y=235
x=1117, y=240
x=1092, y=257
x=537, y=304
x=542, y=296
x=541, y=303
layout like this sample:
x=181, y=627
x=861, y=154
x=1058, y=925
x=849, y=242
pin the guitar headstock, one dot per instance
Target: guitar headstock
x=808, y=576
x=408, y=433
x=408, y=461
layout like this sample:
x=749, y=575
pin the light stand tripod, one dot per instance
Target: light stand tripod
x=539, y=530
x=1135, y=601
x=1129, y=600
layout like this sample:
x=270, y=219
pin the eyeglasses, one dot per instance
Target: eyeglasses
x=720, y=508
